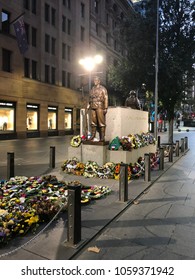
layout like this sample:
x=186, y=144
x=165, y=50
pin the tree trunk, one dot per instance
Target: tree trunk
x=170, y=135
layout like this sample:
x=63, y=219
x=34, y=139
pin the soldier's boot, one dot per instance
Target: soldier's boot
x=93, y=133
x=102, y=134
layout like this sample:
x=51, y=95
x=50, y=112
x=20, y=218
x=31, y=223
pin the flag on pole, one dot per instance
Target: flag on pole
x=20, y=31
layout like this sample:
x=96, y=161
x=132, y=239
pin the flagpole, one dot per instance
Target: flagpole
x=17, y=18
x=156, y=72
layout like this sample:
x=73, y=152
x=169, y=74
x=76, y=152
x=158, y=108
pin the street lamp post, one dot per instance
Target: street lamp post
x=156, y=72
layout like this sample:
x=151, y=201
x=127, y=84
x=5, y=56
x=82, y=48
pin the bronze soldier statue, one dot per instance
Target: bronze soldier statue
x=98, y=103
x=132, y=101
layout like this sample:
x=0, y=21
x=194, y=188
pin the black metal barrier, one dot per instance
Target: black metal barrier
x=52, y=157
x=158, y=142
x=161, y=159
x=123, y=182
x=186, y=142
x=177, y=148
x=147, y=173
x=171, y=149
x=171, y=153
x=10, y=165
x=74, y=215
x=182, y=145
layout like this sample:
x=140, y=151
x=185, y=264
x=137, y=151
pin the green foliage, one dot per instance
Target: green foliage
x=138, y=67
x=176, y=52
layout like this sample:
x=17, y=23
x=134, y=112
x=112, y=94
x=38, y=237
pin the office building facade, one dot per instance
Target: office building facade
x=43, y=87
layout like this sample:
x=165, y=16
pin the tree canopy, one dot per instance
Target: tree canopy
x=176, y=51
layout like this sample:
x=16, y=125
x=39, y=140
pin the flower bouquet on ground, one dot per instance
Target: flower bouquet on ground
x=25, y=203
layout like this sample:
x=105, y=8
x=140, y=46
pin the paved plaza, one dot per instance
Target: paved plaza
x=157, y=221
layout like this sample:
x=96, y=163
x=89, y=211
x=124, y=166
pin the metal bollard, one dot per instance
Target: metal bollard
x=161, y=159
x=147, y=174
x=52, y=157
x=186, y=142
x=10, y=165
x=182, y=145
x=123, y=182
x=171, y=153
x=74, y=215
x=177, y=148
x=158, y=142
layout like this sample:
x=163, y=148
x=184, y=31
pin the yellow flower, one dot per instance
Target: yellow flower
x=32, y=220
x=3, y=212
x=116, y=177
x=44, y=191
x=11, y=222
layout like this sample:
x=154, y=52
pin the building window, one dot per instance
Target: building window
x=69, y=27
x=63, y=78
x=108, y=38
x=82, y=34
x=34, y=37
x=68, y=53
x=7, y=116
x=53, y=46
x=96, y=6
x=5, y=22
x=68, y=80
x=115, y=45
x=53, y=75
x=46, y=73
x=82, y=10
x=26, y=68
x=63, y=51
x=32, y=117
x=34, y=6
x=52, y=117
x=26, y=4
x=47, y=45
x=6, y=60
x=68, y=118
x=27, y=32
x=34, y=70
x=97, y=29
x=46, y=12
x=69, y=4
x=107, y=19
x=63, y=23
x=53, y=16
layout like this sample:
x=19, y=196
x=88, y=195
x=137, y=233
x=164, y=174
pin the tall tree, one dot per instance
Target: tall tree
x=176, y=52
x=138, y=35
